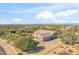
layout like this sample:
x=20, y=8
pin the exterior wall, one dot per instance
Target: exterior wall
x=38, y=40
x=37, y=37
x=54, y=36
x=50, y=37
x=46, y=38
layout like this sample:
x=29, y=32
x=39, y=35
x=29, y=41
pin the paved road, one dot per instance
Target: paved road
x=7, y=47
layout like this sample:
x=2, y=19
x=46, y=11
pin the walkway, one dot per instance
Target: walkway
x=7, y=47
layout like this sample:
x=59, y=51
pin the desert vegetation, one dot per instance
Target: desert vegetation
x=21, y=37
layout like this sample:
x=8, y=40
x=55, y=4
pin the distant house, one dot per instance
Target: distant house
x=44, y=35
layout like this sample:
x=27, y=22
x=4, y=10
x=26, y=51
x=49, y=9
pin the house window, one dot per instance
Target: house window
x=39, y=37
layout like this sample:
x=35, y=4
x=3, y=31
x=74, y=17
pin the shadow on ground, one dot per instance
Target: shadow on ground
x=36, y=50
x=39, y=48
x=2, y=51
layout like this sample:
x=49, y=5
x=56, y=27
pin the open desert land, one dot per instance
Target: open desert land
x=39, y=39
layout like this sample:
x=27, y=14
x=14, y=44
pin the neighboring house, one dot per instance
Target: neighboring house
x=44, y=35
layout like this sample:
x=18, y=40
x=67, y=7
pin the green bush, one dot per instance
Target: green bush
x=11, y=37
x=25, y=43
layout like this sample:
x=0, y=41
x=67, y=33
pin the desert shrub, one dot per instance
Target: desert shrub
x=76, y=46
x=11, y=37
x=61, y=46
x=2, y=33
x=25, y=43
x=70, y=50
x=54, y=52
x=69, y=36
x=20, y=53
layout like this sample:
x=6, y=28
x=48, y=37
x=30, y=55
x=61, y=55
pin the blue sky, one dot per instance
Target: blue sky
x=39, y=13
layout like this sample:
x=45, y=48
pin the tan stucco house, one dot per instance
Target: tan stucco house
x=44, y=35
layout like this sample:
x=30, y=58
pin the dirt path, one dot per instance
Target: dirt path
x=53, y=47
x=7, y=47
x=49, y=46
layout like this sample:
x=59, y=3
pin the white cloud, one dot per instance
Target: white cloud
x=17, y=19
x=50, y=15
x=60, y=21
x=45, y=15
x=67, y=13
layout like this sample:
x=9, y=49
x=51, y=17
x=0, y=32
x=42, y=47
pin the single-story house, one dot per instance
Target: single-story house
x=44, y=35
